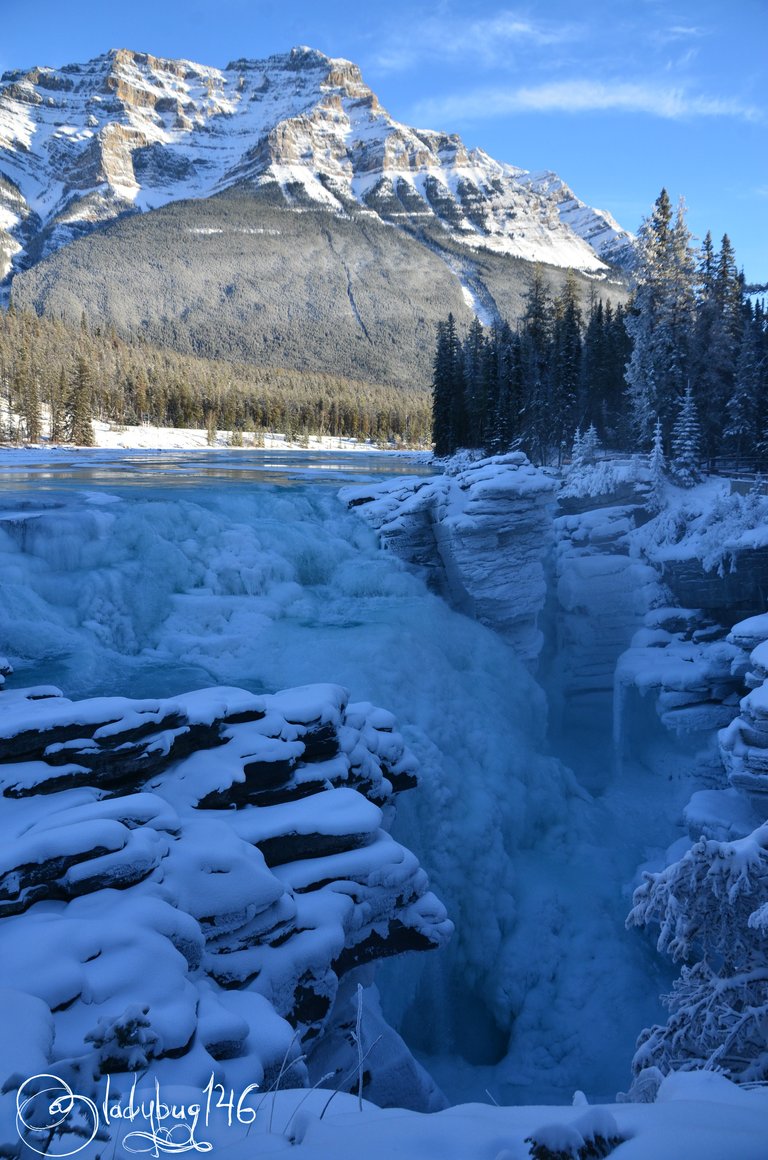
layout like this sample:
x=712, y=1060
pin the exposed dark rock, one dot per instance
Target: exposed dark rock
x=739, y=589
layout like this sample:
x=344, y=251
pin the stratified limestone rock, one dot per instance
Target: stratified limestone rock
x=482, y=534
x=744, y=743
x=736, y=589
x=689, y=664
x=183, y=882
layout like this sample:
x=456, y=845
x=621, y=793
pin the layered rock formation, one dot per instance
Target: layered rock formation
x=482, y=534
x=710, y=560
x=185, y=882
x=744, y=743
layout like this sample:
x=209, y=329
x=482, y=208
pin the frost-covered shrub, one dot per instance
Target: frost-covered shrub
x=714, y=533
x=591, y=479
x=712, y=908
x=125, y=1043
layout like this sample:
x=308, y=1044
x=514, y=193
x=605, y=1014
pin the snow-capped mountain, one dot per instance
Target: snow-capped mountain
x=127, y=131
x=299, y=225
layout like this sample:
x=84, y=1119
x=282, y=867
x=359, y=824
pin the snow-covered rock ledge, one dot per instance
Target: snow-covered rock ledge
x=188, y=885
x=482, y=532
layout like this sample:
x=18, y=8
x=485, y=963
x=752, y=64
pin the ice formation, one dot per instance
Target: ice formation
x=263, y=580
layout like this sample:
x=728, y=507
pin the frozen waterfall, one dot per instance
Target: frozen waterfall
x=150, y=579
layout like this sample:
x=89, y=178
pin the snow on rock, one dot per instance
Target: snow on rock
x=694, y=672
x=185, y=881
x=708, y=550
x=750, y=633
x=698, y=1116
x=596, y=226
x=482, y=534
x=744, y=745
x=712, y=548
x=720, y=814
x=744, y=741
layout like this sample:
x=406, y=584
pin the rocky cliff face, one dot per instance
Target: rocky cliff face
x=185, y=884
x=482, y=534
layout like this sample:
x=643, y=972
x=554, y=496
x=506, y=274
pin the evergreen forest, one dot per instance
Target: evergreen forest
x=77, y=374
x=681, y=368
x=684, y=367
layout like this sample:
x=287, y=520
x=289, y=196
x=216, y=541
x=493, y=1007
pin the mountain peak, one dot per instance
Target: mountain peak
x=129, y=131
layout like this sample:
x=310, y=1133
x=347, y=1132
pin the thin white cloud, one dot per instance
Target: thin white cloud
x=582, y=96
x=488, y=40
x=680, y=32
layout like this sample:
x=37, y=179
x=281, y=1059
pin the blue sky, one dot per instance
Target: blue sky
x=619, y=97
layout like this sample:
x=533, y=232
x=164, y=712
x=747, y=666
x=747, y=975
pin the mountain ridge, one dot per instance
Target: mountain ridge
x=129, y=131
x=271, y=212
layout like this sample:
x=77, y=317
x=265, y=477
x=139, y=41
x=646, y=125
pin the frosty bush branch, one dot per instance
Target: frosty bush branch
x=712, y=906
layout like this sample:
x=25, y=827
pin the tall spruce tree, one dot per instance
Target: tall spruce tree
x=57, y=401
x=535, y=347
x=448, y=413
x=30, y=410
x=565, y=361
x=661, y=320
x=718, y=336
x=504, y=425
x=80, y=405
x=742, y=429
x=476, y=371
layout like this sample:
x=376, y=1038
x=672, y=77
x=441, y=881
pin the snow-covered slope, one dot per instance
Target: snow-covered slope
x=127, y=131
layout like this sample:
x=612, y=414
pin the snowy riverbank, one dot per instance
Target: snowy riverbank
x=111, y=436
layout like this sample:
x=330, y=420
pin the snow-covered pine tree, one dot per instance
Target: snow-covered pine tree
x=590, y=444
x=661, y=320
x=717, y=338
x=712, y=908
x=654, y=500
x=577, y=457
x=686, y=443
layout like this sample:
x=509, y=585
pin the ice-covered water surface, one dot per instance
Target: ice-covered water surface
x=149, y=574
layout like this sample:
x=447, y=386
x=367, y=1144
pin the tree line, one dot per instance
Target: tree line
x=690, y=350
x=59, y=378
